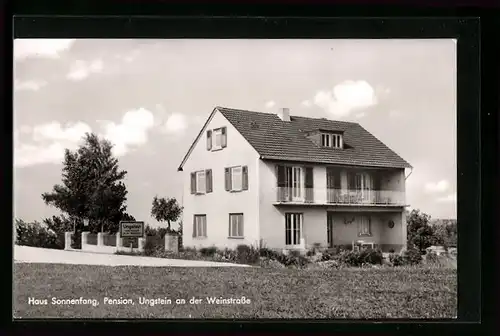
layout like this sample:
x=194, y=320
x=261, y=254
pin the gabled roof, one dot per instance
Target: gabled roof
x=275, y=139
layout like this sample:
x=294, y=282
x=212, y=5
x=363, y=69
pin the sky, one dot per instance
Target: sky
x=150, y=98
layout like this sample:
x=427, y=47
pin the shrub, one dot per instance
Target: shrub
x=396, y=259
x=358, y=258
x=310, y=253
x=36, y=235
x=208, y=251
x=76, y=240
x=432, y=257
x=294, y=258
x=149, y=247
x=247, y=254
x=412, y=256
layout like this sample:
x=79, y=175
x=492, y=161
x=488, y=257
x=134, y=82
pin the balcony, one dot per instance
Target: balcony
x=327, y=196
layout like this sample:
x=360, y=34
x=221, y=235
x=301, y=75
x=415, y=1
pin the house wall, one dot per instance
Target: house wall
x=218, y=204
x=272, y=217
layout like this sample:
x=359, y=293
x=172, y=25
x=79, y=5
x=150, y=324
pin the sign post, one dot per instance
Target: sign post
x=131, y=229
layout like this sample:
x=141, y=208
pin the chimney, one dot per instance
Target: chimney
x=284, y=114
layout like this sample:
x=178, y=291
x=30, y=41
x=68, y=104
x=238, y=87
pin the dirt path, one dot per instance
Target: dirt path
x=25, y=254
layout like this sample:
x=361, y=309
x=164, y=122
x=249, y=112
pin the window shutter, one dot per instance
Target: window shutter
x=193, y=183
x=227, y=178
x=244, y=178
x=376, y=181
x=208, y=179
x=336, y=179
x=223, y=137
x=194, y=226
x=309, y=184
x=280, y=176
x=350, y=181
x=209, y=140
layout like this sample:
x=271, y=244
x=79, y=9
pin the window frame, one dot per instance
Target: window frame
x=294, y=230
x=231, y=172
x=362, y=221
x=329, y=139
x=196, y=225
x=240, y=226
x=198, y=184
x=216, y=133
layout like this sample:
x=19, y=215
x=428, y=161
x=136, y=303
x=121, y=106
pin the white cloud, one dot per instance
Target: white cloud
x=306, y=103
x=270, y=104
x=55, y=132
x=176, y=122
x=48, y=48
x=440, y=186
x=82, y=69
x=30, y=85
x=360, y=115
x=346, y=97
x=132, y=131
x=449, y=198
x=50, y=140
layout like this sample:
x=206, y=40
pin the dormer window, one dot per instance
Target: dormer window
x=331, y=140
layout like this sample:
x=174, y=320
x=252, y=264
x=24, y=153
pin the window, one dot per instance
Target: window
x=218, y=139
x=200, y=182
x=293, y=228
x=331, y=140
x=200, y=226
x=236, y=225
x=364, y=228
x=236, y=178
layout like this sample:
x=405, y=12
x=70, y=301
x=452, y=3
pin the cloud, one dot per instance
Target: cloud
x=440, y=186
x=306, y=103
x=346, y=97
x=47, y=48
x=449, y=198
x=270, y=104
x=82, y=69
x=132, y=131
x=360, y=115
x=176, y=122
x=50, y=140
x=30, y=85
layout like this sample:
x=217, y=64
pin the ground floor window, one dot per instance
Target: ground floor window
x=200, y=226
x=364, y=226
x=293, y=227
x=236, y=225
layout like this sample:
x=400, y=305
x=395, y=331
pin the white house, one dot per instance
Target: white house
x=290, y=182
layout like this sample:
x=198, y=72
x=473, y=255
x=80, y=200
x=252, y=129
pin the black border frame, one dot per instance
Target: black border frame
x=466, y=29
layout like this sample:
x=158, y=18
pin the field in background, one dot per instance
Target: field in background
x=405, y=292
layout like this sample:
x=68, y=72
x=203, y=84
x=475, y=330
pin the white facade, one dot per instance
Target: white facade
x=264, y=216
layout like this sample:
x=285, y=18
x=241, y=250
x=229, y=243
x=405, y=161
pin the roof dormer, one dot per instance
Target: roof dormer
x=331, y=139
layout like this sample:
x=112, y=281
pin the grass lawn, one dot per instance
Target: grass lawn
x=273, y=293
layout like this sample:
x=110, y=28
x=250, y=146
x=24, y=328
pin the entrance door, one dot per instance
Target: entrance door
x=329, y=228
x=293, y=229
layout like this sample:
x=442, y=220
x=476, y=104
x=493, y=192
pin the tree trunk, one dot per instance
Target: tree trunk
x=168, y=226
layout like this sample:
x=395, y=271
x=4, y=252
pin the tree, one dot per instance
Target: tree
x=166, y=210
x=420, y=234
x=91, y=186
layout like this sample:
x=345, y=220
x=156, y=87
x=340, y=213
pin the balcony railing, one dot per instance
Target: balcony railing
x=340, y=196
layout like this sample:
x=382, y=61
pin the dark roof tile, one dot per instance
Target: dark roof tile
x=275, y=139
